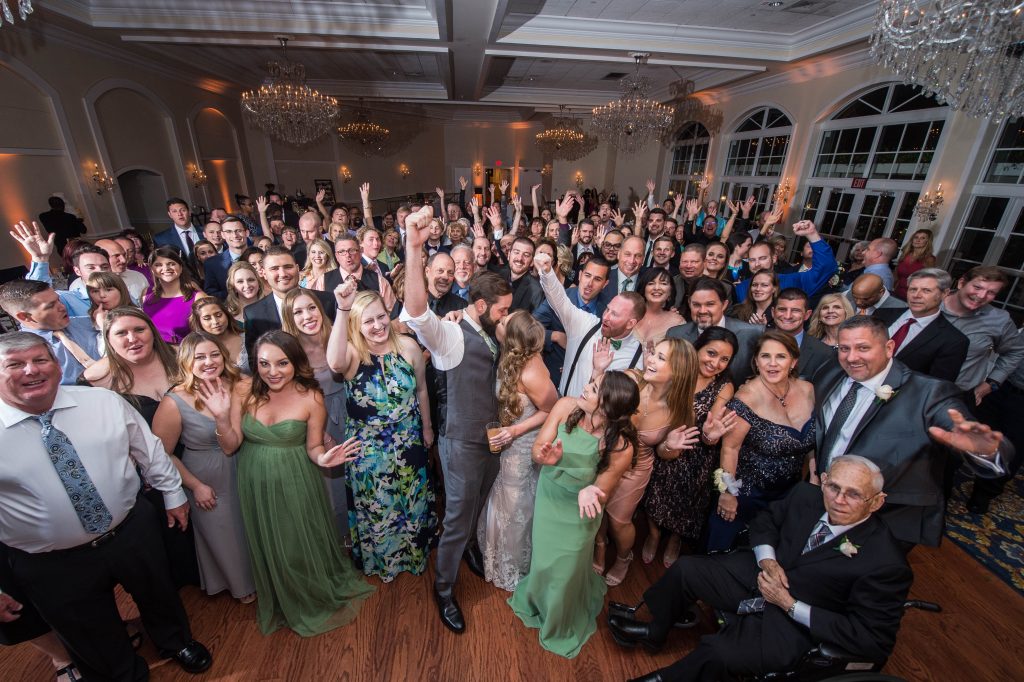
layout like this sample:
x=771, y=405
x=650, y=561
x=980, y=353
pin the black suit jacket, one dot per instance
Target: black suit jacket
x=894, y=435
x=746, y=334
x=814, y=355
x=856, y=602
x=526, y=292
x=938, y=351
x=215, y=276
x=262, y=317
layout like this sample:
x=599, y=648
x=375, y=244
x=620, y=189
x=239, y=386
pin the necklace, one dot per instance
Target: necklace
x=780, y=398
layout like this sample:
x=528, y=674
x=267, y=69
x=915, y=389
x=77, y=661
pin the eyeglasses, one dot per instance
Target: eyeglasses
x=854, y=496
x=610, y=245
x=348, y=251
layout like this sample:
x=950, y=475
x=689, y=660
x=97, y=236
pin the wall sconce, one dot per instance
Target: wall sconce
x=782, y=193
x=346, y=174
x=404, y=170
x=928, y=206
x=478, y=169
x=579, y=179
x=101, y=181
x=721, y=200
x=546, y=170
x=197, y=175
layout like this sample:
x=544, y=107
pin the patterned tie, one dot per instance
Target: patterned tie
x=818, y=537
x=626, y=285
x=835, y=428
x=86, y=500
x=490, y=344
x=901, y=334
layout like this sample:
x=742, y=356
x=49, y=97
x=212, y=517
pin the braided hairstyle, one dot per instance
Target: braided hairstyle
x=524, y=338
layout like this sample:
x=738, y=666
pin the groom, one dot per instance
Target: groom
x=468, y=355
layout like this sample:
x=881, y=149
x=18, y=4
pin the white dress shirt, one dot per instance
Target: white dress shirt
x=915, y=329
x=443, y=338
x=135, y=282
x=577, y=323
x=110, y=437
x=864, y=398
x=184, y=242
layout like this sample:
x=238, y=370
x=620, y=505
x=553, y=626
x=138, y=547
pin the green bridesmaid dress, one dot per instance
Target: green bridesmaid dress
x=304, y=581
x=562, y=595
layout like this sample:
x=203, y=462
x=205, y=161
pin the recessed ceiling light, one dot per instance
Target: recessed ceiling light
x=776, y=3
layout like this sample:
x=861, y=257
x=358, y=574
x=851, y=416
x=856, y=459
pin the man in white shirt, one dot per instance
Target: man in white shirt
x=582, y=327
x=72, y=536
x=134, y=281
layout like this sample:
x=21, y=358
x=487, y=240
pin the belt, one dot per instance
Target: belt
x=101, y=540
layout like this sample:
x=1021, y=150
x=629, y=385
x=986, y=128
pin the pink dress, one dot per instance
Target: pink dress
x=170, y=316
x=633, y=483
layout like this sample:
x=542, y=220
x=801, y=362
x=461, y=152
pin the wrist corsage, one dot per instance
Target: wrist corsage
x=726, y=482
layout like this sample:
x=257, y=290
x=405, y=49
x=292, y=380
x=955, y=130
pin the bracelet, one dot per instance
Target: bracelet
x=344, y=310
x=217, y=433
x=791, y=611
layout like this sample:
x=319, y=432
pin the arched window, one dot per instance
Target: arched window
x=689, y=160
x=870, y=165
x=756, y=157
x=992, y=231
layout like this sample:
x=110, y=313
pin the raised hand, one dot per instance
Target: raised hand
x=417, y=228
x=535, y=188
x=463, y=183
x=364, y=192
x=563, y=207
x=748, y=204
x=261, y=204
x=639, y=210
x=493, y=215
x=650, y=185
x=216, y=396
x=692, y=209
x=320, y=195
x=774, y=216
x=517, y=201
x=716, y=427
x=345, y=293
x=618, y=217
x=478, y=230
x=704, y=184
x=340, y=454
x=574, y=237
x=600, y=233
x=805, y=228
x=589, y=500
x=550, y=453
x=503, y=187
x=32, y=240
x=603, y=354
x=543, y=263
x=968, y=436
x=491, y=188
x=440, y=193
x=734, y=208
x=682, y=438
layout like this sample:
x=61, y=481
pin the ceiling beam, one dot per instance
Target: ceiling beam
x=472, y=27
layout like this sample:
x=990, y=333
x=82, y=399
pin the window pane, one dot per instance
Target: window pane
x=1013, y=255
x=869, y=104
x=889, y=141
x=1007, y=164
x=973, y=245
x=910, y=98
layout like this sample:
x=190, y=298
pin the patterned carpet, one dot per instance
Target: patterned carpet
x=995, y=539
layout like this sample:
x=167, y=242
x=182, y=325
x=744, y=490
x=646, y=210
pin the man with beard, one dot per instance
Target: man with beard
x=587, y=297
x=616, y=324
x=655, y=228
x=691, y=267
x=468, y=354
x=348, y=253
x=869, y=295
x=610, y=246
x=526, y=291
x=465, y=266
x=584, y=239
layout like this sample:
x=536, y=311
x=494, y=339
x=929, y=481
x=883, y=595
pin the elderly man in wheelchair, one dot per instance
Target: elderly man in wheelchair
x=822, y=568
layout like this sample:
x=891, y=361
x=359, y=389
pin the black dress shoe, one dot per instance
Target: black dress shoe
x=193, y=657
x=978, y=505
x=474, y=559
x=625, y=611
x=649, y=677
x=451, y=614
x=629, y=633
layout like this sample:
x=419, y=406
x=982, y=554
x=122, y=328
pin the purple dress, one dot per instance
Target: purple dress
x=170, y=315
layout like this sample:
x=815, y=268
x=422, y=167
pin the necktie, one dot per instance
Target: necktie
x=649, y=254
x=862, y=311
x=487, y=340
x=187, y=234
x=86, y=500
x=818, y=537
x=84, y=359
x=627, y=285
x=616, y=343
x=835, y=428
x=901, y=334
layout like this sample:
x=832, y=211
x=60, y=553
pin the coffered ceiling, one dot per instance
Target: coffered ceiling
x=504, y=58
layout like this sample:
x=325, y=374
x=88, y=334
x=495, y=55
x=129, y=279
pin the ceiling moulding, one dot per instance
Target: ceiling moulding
x=261, y=40
x=519, y=95
x=195, y=79
x=619, y=58
x=380, y=89
x=287, y=17
x=800, y=73
x=668, y=39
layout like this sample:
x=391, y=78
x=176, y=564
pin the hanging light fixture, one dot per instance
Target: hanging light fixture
x=690, y=109
x=969, y=54
x=286, y=108
x=632, y=121
x=560, y=134
x=24, y=9
x=362, y=135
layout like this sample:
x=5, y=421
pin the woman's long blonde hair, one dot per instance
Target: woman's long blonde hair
x=682, y=359
x=922, y=253
x=815, y=328
x=328, y=251
x=187, y=356
x=524, y=338
x=362, y=301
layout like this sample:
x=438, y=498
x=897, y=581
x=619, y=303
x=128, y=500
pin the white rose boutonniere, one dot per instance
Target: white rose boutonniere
x=885, y=393
x=848, y=549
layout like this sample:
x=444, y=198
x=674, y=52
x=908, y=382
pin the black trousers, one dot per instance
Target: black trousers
x=756, y=643
x=73, y=589
x=1003, y=410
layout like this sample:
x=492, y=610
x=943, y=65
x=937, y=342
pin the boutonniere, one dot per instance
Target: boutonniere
x=848, y=549
x=885, y=393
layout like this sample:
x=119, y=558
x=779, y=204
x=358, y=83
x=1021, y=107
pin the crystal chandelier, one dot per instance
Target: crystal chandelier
x=966, y=52
x=362, y=135
x=561, y=134
x=24, y=9
x=288, y=109
x=689, y=108
x=633, y=120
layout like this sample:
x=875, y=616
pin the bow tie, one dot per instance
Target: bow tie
x=616, y=343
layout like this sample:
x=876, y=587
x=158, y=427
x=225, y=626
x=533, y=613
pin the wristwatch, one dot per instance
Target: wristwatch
x=993, y=383
x=791, y=611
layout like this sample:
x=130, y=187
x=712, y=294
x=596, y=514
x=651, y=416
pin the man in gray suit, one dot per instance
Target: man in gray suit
x=904, y=422
x=708, y=303
x=791, y=311
x=868, y=294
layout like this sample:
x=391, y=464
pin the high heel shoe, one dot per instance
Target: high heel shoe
x=598, y=564
x=650, y=548
x=617, y=573
x=671, y=551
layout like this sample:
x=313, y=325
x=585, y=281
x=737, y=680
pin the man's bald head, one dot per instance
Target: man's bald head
x=116, y=254
x=867, y=290
x=880, y=251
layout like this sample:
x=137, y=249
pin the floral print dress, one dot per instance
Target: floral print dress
x=390, y=500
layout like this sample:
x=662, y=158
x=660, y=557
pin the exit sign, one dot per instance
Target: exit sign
x=859, y=183
x=498, y=162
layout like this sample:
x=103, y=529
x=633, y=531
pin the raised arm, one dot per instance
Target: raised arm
x=261, y=206
x=320, y=194
x=364, y=197
x=535, y=196
x=340, y=355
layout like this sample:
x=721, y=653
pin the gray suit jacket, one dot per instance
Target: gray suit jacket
x=747, y=335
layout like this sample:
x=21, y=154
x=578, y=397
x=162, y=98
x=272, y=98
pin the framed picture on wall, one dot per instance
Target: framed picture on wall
x=328, y=187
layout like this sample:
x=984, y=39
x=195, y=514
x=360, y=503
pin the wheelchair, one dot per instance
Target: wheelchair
x=825, y=661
